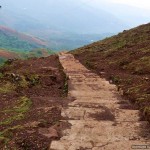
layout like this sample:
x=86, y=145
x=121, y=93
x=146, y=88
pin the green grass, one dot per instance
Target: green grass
x=7, y=87
x=6, y=135
x=24, y=104
x=19, y=111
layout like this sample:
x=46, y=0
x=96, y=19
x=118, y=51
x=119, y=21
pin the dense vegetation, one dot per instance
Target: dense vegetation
x=123, y=59
x=2, y=60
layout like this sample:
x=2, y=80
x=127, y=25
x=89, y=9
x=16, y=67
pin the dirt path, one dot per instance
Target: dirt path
x=100, y=118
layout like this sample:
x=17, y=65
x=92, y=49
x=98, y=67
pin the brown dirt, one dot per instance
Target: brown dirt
x=124, y=60
x=42, y=82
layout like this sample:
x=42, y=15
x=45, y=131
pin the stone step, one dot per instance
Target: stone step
x=90, y=134
x=95, y=100
x=102, y=93
x=102, y=113
x=93, y=87
x=104, y=145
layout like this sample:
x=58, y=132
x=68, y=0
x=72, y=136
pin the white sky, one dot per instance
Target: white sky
x=137, y=3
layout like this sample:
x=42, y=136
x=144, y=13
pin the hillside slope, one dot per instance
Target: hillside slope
x=12, y=39
x=31, y=94
x=123, y=59
x=6, y=54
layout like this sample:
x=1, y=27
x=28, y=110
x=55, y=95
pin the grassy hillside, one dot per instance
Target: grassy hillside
x=11, y=39
x=123, y=59
x=14, y=44
x=6, y=54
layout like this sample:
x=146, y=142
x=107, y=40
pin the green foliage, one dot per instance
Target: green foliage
x=24, y=54
x=89, y=64
x=33, y=79
x=23, y=83
x=39, y=53
x=24, y=104
x=140, y=66
x=66, y=86
x=1, y=75
x=7, y=87
x=18, y=113
x=6, y=134
x=115, y=79
x=2, y=60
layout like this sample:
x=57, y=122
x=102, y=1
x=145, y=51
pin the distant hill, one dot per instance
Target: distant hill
x=11, y=39
x=15, y=44
x=123, y=59
x=27, y=14
x=5, y=54
x=8, y=54
x=68, y=30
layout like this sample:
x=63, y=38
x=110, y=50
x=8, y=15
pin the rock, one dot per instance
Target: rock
x=42, y=123
x=102, y=73
x=9, y=61
x=53, y=132
x=30, y=131
x=110, y=81
x=134, y=138
x=121, y=92
x=49, y=132
x=33, y=124
x=13, y=75
x=146, y=78
x=16, y=77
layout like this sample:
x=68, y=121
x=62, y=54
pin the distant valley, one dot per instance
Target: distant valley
x=15, y=44
x=61, y=31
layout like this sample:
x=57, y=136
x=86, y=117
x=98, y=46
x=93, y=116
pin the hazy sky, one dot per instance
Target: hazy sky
x=137, y=3
x=129, y=13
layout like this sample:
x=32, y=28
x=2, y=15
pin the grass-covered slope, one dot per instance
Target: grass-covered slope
x=125, y=60
x=11, y=39
x=6, y=54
